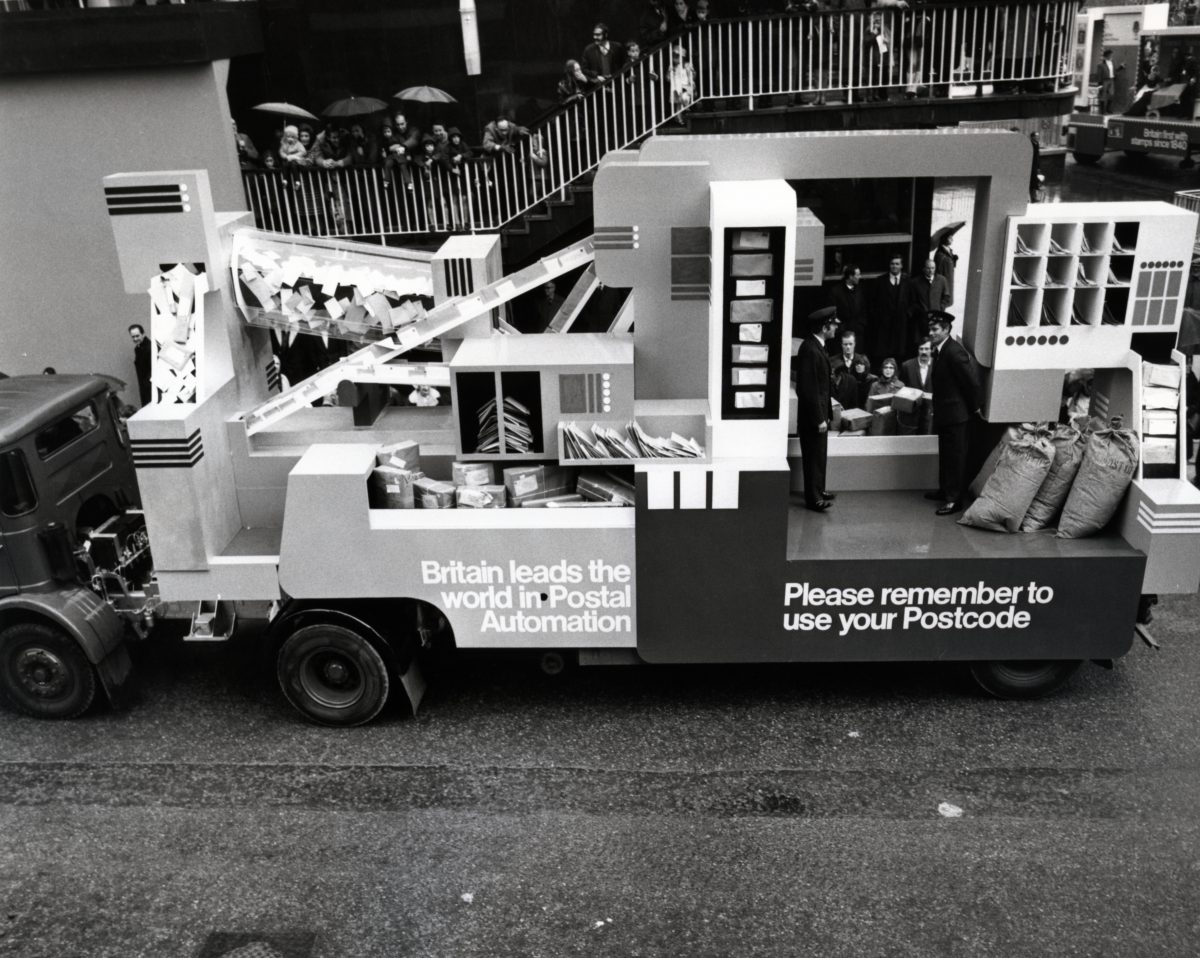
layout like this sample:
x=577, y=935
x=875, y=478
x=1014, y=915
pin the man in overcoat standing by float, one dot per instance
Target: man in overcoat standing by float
x=956, y=399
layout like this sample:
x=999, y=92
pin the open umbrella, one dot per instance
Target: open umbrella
x=284, y=109
x=354, y=106
x=425, y=94
x=948, y=230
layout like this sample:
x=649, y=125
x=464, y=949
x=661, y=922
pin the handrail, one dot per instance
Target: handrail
x=859, y=55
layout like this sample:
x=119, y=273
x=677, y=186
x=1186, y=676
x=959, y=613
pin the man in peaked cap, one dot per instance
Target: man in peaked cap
x=814, y=406
x=956, y=397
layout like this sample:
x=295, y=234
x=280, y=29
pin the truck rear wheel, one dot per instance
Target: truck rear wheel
x=333, y=675
x=43, y=672
x=1023, y=680
x=1087, y=159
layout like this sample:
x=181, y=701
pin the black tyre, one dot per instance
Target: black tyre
x=333, y=675
x=1087, y=159
x=43, y=672
x=1023, y=680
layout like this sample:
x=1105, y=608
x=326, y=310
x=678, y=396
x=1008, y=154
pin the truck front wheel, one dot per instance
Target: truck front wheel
x=43, y=672
x=1023, y=680
x=333, y=675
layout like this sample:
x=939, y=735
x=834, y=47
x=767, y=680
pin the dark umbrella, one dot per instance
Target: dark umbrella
x=354, y=106
x=425, y=94
x=284, y=109
x=949, y=230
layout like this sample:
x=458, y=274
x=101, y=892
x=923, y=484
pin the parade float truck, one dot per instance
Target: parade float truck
x=265, y=500
x=1163, y=115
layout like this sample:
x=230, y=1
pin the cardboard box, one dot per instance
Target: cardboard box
x=480, y=497
x=604, y=487
x=1160, y=450
x=906, y=399
x=567, y=499
x=391, y=487
x=855, y=419
x=405, y=455
x=528, y=483
x=883, y=422
x=433, y=493
x=879, y=400
x=1155, y=375
x=472, y=474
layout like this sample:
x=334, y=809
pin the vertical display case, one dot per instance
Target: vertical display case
x=753, y=327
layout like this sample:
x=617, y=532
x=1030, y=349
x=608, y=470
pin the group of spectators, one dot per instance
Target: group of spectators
x=887, y=317
x=425, y=170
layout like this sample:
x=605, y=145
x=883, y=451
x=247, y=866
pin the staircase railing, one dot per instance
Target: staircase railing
x=847, y=56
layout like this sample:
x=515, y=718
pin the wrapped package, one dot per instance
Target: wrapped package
x=480, y=497
x=1159, y=397
x=854, y=420
x=1020, y=472
x=906, y=399
x=472, y=474
x=1155, y=375
x=879, y=400
x=851, y=432
x=526, y=483
x=405, y=455
x=1068, y=445
x=1110, y=459
x=391, y=487
x=1159, y=450
x=433, y=493
x=605, y=487
x=883, y=422
x=567, y=499
x=1159, y=422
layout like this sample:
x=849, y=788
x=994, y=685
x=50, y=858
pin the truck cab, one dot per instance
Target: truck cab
x=66, y=480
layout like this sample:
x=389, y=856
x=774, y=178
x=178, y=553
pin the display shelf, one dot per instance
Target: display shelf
x=657, y=418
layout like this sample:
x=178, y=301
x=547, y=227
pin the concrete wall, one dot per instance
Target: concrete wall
x=61, y=298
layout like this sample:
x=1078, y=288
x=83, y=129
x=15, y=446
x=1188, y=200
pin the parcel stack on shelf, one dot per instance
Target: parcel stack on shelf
x=392, y=484
x=1160, y=412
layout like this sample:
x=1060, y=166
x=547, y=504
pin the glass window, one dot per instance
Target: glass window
x=53, y=438
x=17, y=496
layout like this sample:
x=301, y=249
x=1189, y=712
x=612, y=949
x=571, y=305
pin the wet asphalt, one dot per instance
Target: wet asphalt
x=650, y=811
x=625, y=811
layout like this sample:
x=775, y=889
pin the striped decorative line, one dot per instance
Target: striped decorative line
x=167, y=453
x=272, y=377
x=692, y=487
x=1157, y=520
x=127, y=200
x=459, y=281
x=615, y=237
x=1099, y=405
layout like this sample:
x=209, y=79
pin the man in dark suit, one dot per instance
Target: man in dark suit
x=1105, y=78
x=918, y=374
x=850, y=300
x=814, y=406
x=141, y=361
x=956, y=398
x=892, y=298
